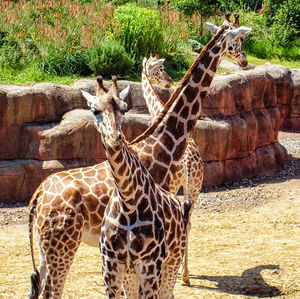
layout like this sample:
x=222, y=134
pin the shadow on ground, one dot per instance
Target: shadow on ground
x=250, y=283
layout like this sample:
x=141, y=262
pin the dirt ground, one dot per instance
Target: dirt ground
x=238, y=248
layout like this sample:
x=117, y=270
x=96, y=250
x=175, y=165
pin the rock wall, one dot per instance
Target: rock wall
x=44, y=128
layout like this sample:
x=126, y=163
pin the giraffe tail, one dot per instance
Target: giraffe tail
x=187, y=205
x=35, y=276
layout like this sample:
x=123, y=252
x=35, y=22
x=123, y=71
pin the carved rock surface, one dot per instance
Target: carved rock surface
x=45, y=128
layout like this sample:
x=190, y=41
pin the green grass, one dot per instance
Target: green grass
x=33, y=75
x=258, y=61
x=61, y=42
x=222, y=70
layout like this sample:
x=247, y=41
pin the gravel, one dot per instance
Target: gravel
x=248, y=193
x=242, y=195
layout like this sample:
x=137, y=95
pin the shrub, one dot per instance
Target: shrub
x=10, y=53
x=260, y=48
x=138, y=30
x=270, y=41
x=64, y=62
x=285, y=24
x=109, y=58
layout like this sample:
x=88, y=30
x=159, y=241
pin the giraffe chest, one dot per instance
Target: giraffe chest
x=134, y=234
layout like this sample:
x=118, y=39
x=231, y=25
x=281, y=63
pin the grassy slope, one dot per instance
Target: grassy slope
x=33, y=75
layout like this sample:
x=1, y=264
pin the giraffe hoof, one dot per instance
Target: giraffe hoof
x=186, y=280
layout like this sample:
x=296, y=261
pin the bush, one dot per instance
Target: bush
x=259, y=48
x=64, y=62
x=271, y=41
x=138, y=30
x=10, y=54
x=109, y=58
x=285, y=24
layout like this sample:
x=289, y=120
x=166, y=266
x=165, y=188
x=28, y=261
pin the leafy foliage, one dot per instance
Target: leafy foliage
x=64, y=62
x=87, y=37
x=10, y=54
x=190, y=7
x=251, y=5
x=109, y=58
x=285, y=23
x=138, y=30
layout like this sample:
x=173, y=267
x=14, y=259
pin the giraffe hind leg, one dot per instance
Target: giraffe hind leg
x=58, y=266
x=58, y=247
x=37, y=278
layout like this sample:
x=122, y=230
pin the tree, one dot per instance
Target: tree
x=189, y=7
x=230, y=5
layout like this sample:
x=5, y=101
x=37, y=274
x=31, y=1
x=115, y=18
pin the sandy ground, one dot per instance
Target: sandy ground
x=237, y=248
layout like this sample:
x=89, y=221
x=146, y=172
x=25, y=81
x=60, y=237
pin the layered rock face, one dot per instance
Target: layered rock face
x=46, y=128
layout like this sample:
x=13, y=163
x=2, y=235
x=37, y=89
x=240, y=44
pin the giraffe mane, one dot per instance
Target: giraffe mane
x=153, y=89
x=186, y=77
x=177, y=91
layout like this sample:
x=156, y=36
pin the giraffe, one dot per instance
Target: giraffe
x=68, y=206
x=236, y=55
x=156, y=72
x=190, y=173
x=143, y=231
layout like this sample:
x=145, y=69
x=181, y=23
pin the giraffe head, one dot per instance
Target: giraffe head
x=232, y=39
x=155, y=71
x=108, y=107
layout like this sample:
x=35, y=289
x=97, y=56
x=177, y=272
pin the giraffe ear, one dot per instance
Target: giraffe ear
x=241, y=31
x=158, y=62
x=89, y=98
x=144, y=61
x=125, y=93
x=212, y=28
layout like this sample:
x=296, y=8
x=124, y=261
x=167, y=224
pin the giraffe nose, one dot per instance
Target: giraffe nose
x=116, y=136
x=244, y=63
x=95, y=111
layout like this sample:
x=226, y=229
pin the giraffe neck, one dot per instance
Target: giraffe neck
x=184, y=106
x=153, y=101
x=163, y=144
x=131, y=177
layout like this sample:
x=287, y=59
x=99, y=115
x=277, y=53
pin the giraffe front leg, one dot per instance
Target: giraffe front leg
x=150, y=274
x=131, y=285
x=113, y=276
x=185, y=268
x=187, y=197
x=169, y=274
